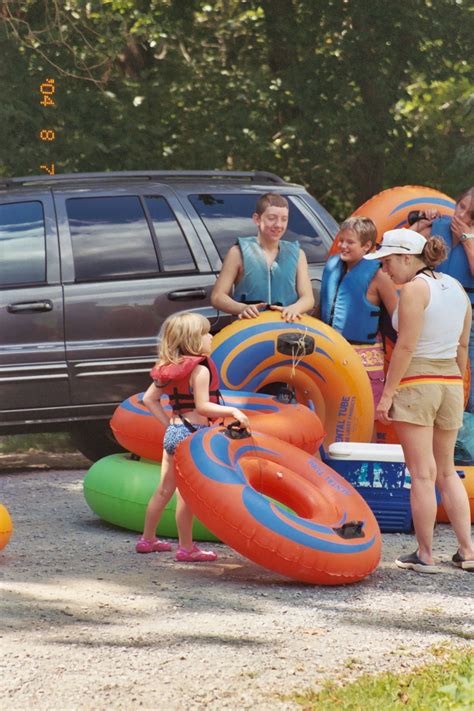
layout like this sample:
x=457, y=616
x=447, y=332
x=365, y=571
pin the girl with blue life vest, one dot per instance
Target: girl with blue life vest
x=353, y=293
x=184, y=372
x=265, y=271
x=457, y=232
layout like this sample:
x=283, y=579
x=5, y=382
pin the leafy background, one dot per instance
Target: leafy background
x=347, y=97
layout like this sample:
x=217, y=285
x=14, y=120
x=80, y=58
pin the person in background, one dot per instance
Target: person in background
x=423, y=394
x=457, y=232
x=265, y=271
x=353, y=294
x=187, y=375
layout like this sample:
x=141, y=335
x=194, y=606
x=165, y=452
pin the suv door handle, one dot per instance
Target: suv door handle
x=28, y=306
x=185, y=294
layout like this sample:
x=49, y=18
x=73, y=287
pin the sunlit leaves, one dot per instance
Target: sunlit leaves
x=346, y=97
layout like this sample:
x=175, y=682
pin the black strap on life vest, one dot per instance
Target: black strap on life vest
x=386, y=329
x=180, y=401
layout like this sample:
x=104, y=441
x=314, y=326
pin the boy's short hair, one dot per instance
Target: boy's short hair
x=364, y=228
x=270, y=200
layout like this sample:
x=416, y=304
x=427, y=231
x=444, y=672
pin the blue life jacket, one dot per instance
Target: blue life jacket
x=344, y=304
x=261, y=283
x=456, y=264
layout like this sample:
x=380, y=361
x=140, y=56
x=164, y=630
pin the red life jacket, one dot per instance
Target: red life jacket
x=174, y=378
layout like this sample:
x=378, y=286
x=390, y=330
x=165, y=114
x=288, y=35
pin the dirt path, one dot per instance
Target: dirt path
x=88, y=624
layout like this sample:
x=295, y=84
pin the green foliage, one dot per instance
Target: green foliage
x=445, y=685
x=347, y=98
x=42, y=442
x=441, y=119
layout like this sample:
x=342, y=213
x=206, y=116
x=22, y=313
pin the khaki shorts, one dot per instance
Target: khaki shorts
x=431, y=398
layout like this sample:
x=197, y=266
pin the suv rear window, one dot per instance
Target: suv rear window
x=228, y=216
x=175, y=254
x=110, y=238
x=22, y=244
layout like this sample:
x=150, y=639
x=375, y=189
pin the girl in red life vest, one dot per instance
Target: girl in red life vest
x=187, y=375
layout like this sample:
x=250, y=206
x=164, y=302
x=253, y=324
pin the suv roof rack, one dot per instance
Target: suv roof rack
x=255, y=176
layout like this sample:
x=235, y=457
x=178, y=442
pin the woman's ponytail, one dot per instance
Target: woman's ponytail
x=434, y=252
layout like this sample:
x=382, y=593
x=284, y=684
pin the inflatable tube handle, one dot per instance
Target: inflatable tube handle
x=295, y=344
x=235, y=431
x=350, y=529
x=414, y=216
x=286, y=395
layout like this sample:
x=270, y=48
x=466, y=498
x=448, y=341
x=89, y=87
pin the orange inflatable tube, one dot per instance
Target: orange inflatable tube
x=389, y=209
x=6, y=526
x=310, y=356
x=278, y=506
x=467, y=478
x=137, y=431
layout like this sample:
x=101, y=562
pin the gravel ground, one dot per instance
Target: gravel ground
x=88, y=624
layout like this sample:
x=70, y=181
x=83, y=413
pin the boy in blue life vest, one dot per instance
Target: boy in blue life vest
x=265, y=271
x=354, y=292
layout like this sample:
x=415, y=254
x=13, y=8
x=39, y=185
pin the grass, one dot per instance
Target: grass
x=445, y=684
x=44, y=442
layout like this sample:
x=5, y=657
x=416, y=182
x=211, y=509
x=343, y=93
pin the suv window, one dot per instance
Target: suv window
x=228, y=216
x=110, y=238
x=175, y=255
x=327, y=219
x=22, y=244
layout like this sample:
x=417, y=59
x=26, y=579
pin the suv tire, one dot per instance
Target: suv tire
x=95, y=440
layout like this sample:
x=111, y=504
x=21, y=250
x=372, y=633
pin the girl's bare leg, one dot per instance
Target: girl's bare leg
x=160, y=498
x=417, y=444
x=184, y=523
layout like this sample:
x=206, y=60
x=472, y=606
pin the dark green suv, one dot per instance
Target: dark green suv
x=91, y=265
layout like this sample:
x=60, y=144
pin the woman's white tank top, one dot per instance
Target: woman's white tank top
x=444, y=318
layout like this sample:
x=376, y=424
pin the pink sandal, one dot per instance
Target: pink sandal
x=195, y=555
x=153, y=546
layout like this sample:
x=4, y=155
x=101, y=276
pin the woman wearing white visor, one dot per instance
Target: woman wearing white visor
x=423, y=393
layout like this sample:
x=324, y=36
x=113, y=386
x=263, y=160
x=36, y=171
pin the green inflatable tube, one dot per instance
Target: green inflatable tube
x=117, y=488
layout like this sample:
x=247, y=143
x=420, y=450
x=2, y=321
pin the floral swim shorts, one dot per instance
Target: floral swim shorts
x=175, y=434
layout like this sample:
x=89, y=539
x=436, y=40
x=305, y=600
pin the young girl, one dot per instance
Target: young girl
x=186, y=374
